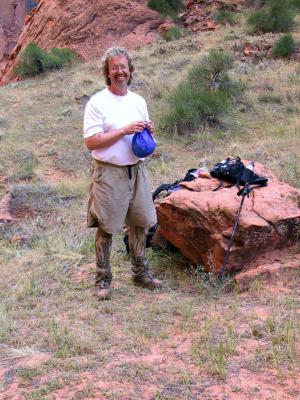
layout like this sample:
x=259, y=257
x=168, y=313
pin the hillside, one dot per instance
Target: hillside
x=86, y=28
x=196, y=339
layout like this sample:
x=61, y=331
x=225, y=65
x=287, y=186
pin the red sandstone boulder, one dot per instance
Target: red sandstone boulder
x=199, y=221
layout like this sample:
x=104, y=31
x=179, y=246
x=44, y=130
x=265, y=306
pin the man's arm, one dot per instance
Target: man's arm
x=105, y=139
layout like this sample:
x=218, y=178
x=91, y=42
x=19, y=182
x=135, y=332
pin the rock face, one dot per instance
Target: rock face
x=201, y=15
x=199, y=221
x=86, y=27
x=12, y=17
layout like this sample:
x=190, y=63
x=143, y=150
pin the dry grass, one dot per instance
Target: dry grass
x=57, y=341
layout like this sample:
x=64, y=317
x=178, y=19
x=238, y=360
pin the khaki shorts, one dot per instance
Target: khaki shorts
x=115, y=199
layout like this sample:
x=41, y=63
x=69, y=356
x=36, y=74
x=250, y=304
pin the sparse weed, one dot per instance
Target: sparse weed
x=64, y=342
x=40, y=393
x=29, y=287
x=278, y=336
x=214, y=346
x=174, y=33
x=187, y=313
x=269, y=98
x=28, y=373
x=7, y=326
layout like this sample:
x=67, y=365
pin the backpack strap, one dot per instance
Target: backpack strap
x=219, y=186
x=161, y=188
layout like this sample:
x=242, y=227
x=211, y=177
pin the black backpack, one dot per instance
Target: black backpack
x=235, y=172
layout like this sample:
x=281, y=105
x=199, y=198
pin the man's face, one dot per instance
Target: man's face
x=118, y=71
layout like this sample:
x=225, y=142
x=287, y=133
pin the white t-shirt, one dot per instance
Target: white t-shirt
x=106, y=112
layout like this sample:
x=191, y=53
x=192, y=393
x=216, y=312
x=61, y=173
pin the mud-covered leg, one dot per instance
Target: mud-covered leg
x=103, y=244
x=137, y=245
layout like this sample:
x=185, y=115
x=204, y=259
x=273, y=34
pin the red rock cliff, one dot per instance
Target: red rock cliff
x=88, y=27
x=12, y=16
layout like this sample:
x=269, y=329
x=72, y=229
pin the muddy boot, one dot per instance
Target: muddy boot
x=141, y=276
x=103, y=268
x=103, y=280
x=103, y=291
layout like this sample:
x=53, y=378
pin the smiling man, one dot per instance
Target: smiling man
x=120, y=191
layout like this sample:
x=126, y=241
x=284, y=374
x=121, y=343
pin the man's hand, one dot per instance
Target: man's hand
x=150, y=127
x=134, y=127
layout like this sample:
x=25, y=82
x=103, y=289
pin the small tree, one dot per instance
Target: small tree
x=284, y=46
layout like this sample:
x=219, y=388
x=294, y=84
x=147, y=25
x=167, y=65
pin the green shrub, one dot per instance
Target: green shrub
x=284, y=46
x=276, y=16
x=31, y=61
x=35, y=60
x=174, y=33
x=65, y=56
x=166, y=7
x=204, y=96
x=223, y=17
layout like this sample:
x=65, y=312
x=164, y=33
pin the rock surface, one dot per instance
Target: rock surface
x=12, y=18
x=201, y=15
x=88, y=28
x=199, y=221
x=277, y=266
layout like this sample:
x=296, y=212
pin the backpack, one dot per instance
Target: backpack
x=235, y=172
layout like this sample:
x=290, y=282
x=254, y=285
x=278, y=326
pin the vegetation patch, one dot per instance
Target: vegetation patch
x=204, y=97
x=224, y=17
x=166, y=7
x=29, y=200
x=284, y=47
x=35, y=60
x=174, y=33
x=276, y=16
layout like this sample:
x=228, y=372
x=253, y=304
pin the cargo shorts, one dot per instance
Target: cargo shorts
x=120, y=195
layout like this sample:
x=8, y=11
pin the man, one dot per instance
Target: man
x=120, y=191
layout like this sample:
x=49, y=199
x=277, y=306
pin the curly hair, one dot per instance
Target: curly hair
x=113, y=52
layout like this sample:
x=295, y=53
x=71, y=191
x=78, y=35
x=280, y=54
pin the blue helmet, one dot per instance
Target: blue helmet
x=143, y=143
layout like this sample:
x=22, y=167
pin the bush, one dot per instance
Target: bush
x=174, y=33
x=204, y=97
x=276, y=16
x=223, y=17
x=35, y=60
x=284, y=46
x=166, y=7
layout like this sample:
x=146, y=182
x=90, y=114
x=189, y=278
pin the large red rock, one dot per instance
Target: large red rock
x=87, y=27
x=199, y=221
x=12, y=16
